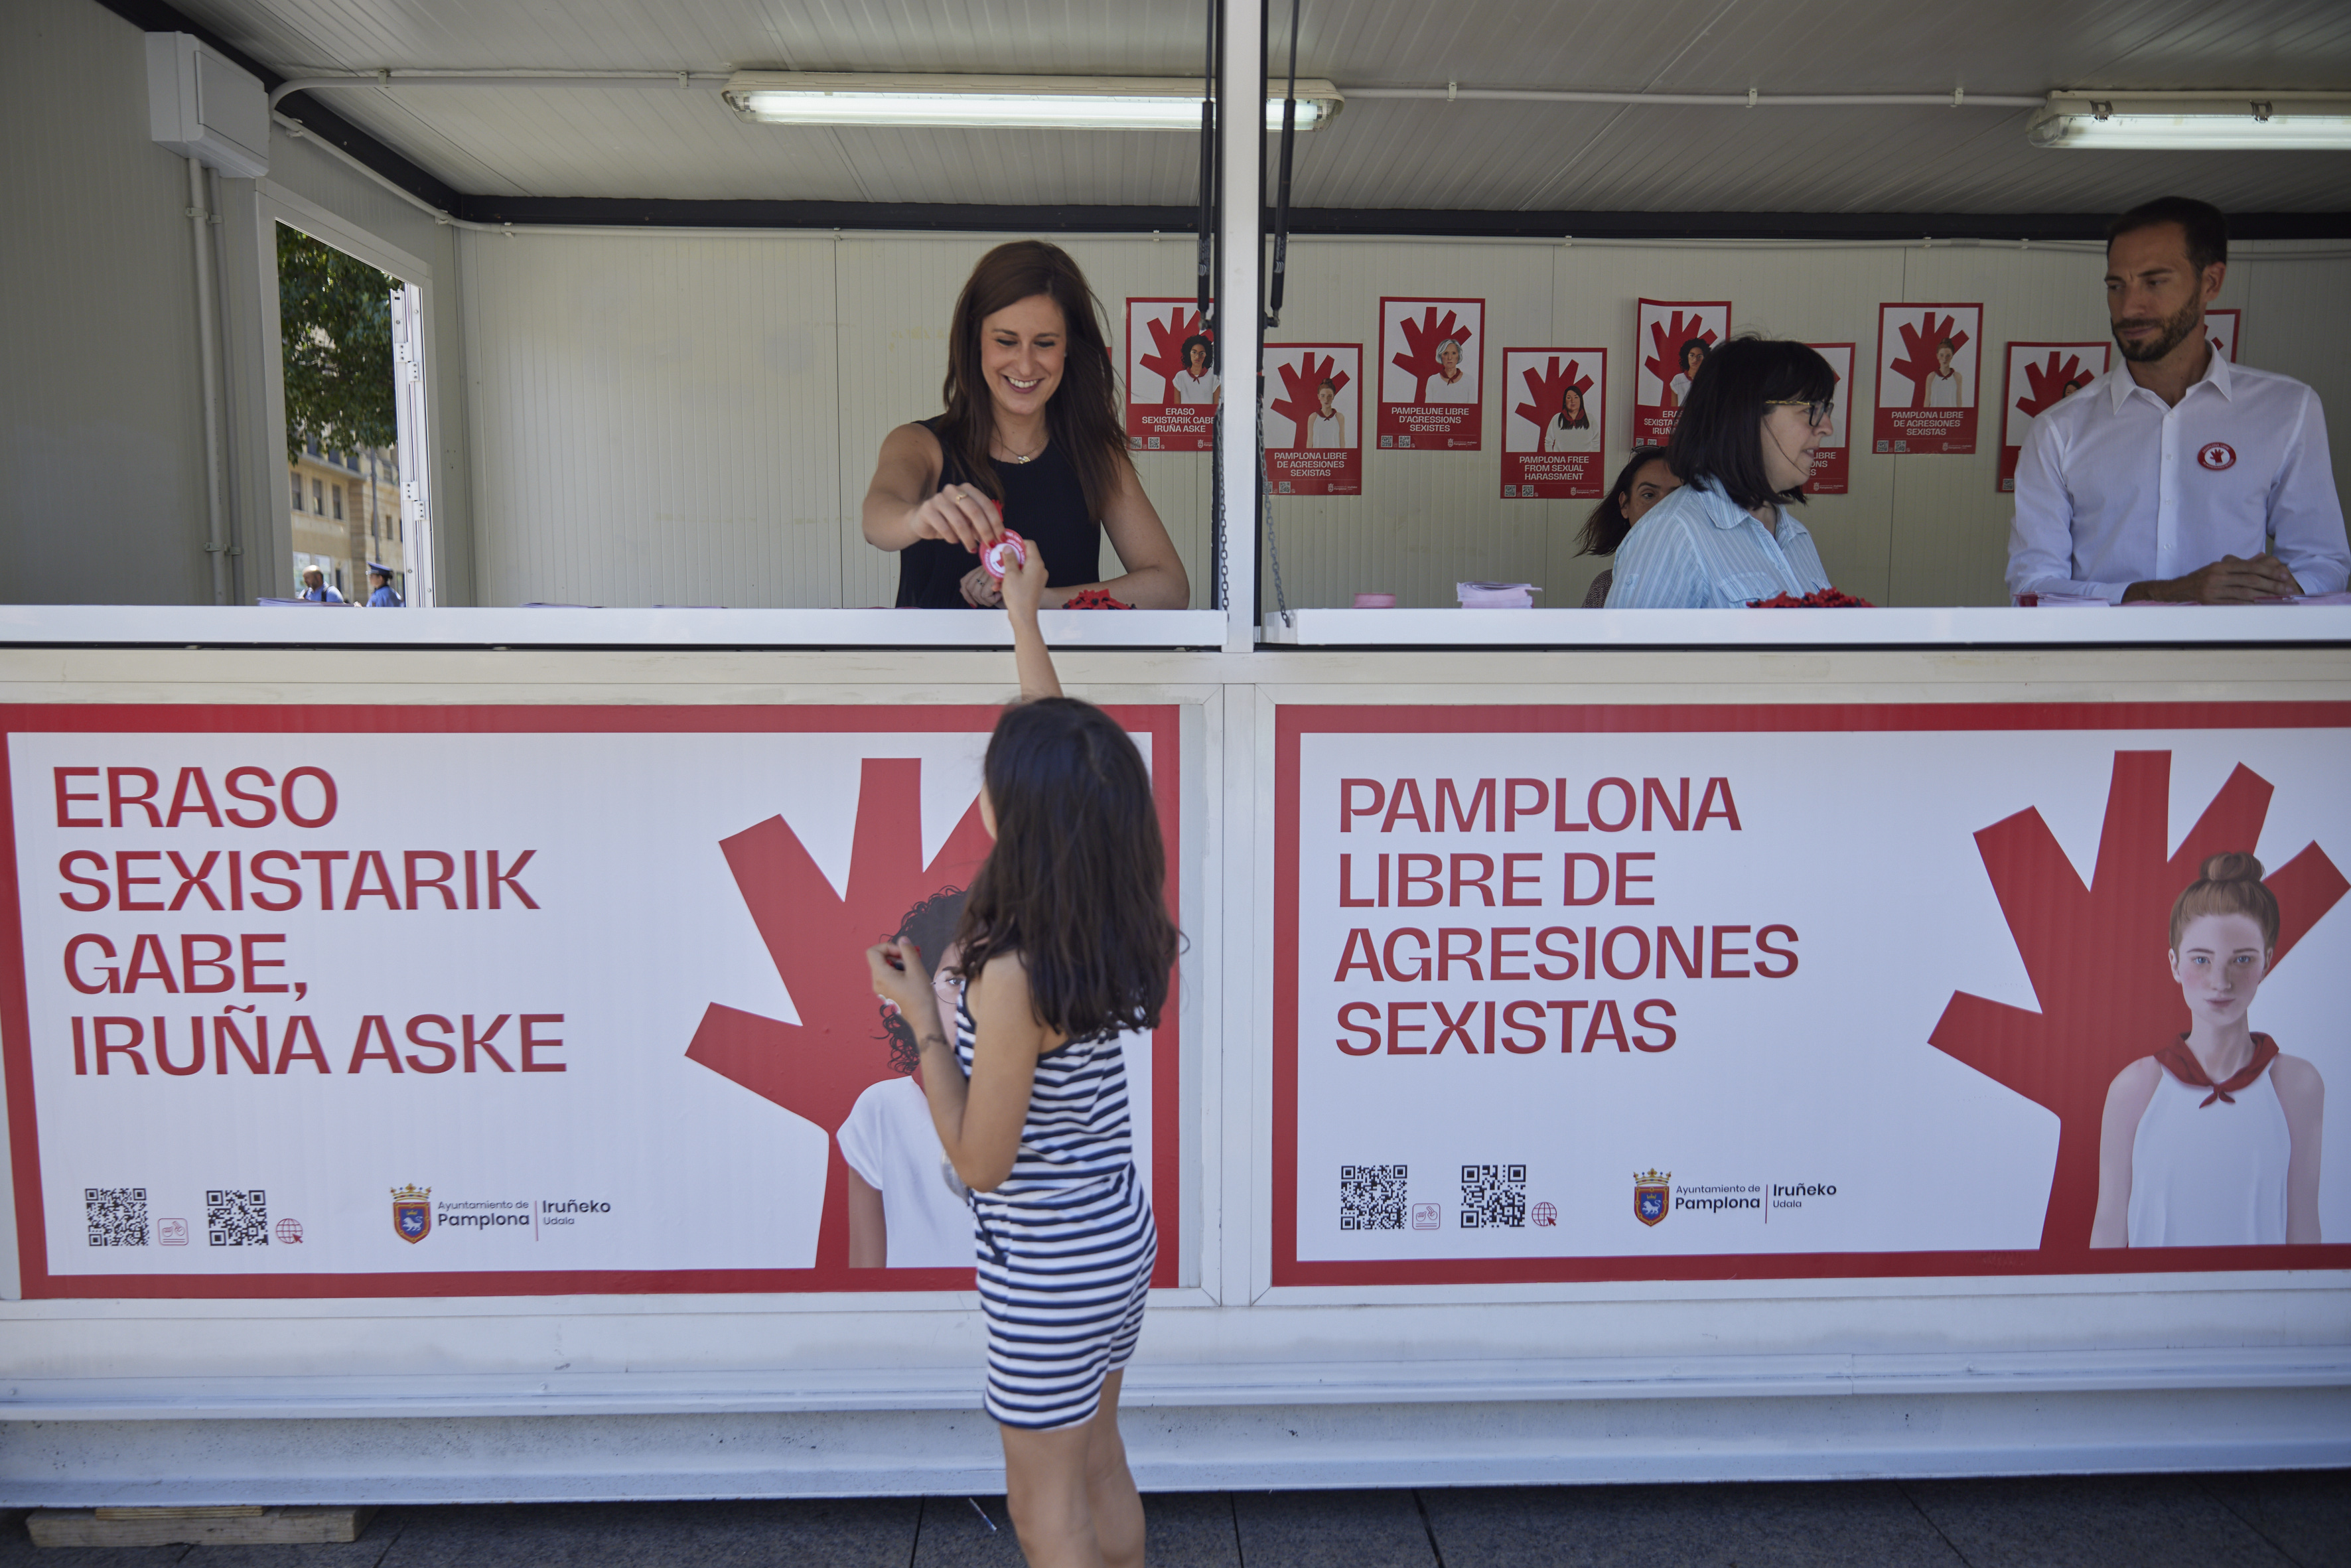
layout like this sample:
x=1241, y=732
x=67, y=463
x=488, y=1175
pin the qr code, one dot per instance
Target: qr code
x=117, y=1214
x=237, y=1218
x=1493, y=1195
x=1370, y=1197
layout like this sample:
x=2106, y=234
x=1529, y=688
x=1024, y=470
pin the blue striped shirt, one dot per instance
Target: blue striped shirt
x=1698, y=550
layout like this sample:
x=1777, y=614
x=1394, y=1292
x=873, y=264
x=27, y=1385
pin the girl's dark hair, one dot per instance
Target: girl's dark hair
x=1607, y=526
x=1082, y=418
x=1200, y=340
x=2229, y=884
x=1074, y=883
x=1583, y=410
x=1719, y=436
x=930, y=926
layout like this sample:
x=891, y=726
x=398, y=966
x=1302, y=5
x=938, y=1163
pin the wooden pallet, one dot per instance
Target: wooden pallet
x=234, y=1525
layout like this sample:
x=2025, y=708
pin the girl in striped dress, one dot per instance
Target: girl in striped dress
x=1065, y=943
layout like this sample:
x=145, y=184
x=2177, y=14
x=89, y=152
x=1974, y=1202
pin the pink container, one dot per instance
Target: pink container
x=1375, y=602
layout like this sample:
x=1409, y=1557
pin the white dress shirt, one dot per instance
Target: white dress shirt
x=2113, y=487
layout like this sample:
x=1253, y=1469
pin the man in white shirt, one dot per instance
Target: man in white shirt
x=2189, y=478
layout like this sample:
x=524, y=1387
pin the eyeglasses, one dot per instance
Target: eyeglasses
x=1815, y=414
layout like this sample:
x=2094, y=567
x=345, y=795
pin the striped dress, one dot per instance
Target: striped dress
x=1066, y=1242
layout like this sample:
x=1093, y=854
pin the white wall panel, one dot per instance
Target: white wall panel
x=101, y=410
x=653, y=418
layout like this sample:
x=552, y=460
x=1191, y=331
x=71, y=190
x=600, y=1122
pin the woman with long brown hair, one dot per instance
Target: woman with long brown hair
x=1031, y=441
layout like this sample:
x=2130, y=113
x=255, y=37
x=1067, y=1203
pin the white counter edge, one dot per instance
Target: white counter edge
x=1199, y=1386
x=1956, y=625
x=135, y=625
x=128, y=625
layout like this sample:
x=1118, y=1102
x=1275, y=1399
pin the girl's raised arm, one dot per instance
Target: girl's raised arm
x=1024, y=589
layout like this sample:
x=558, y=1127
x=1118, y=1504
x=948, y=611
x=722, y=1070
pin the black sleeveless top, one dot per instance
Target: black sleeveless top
x=1042, y=501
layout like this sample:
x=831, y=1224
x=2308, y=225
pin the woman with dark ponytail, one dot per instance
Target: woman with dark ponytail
x=2213, y=1141
x=1065, y=946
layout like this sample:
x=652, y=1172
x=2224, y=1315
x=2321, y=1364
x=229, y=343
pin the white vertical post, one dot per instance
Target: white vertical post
x=1239, y=307
x=413, y=435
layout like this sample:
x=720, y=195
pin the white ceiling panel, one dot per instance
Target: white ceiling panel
x=668, y=143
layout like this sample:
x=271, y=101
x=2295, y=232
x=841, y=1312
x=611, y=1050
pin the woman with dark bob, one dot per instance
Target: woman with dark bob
x=1065, y=946
x=1641, y=484
x=1743, y=447
x=1031, y=441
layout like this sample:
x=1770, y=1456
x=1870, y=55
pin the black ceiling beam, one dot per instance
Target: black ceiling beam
x=317, y=120
x=621, y=212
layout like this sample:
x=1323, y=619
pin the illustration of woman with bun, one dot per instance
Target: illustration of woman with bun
x=2215, y=1141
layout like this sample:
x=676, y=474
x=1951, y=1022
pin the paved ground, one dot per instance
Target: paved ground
x=2128, y=1522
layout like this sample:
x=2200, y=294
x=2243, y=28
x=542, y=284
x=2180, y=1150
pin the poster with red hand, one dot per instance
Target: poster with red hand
x=1560, y=996
x=2041, y=376
x=1173, y=379
x=1670, y=340
x=1929, y=357
x=1832, y=459
x=1313, y=418
x=598, y=1021
x=2221, y=329
x=1432, y=374
x=1554, y=402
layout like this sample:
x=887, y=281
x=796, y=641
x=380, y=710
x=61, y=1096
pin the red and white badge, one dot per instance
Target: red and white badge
x=992, y=557
x=2216, y=456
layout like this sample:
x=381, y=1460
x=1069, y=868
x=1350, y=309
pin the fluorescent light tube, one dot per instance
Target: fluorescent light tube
x=2248, y=121
x=1050, y=103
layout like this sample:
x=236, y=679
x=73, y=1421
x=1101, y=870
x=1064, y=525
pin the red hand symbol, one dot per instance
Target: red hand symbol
x=1665, y=361
x=1300, y=382
x=2047, y=383
x=1918, y=343
x=1167, y=356
x=817, y=937
x=1545, y=387
x=1422, y=341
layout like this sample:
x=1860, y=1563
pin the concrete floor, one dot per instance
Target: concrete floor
x=2301, y=1519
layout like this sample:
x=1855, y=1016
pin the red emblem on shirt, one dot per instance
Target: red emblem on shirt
x=2216, y=456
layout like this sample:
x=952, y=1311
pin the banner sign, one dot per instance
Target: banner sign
x=1569, y=993
x=1173, y=379
x=2220, y=327
x=1432, y=371
x=1555, y=402
x=1313, y=418
x=471, y=1001
x=2039, y=376
x=1833, y=460
x=1670, y=340
x=1927, y=385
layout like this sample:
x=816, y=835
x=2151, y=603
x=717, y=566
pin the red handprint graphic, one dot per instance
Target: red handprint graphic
x=1423, y=340
x=2045, y=385
x=1918, y=345
x=1545, y=386
x=1665, y=340
x=1300, y=382
x=818, y=938
x=1167, y=356
x=2094, y=954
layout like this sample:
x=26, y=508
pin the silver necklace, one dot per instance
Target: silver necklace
x=1012, y=456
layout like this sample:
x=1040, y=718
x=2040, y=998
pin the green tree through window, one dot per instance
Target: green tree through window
x=335, y=320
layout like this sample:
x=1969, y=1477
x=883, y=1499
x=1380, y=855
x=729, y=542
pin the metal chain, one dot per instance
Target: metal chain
x=1265, y=510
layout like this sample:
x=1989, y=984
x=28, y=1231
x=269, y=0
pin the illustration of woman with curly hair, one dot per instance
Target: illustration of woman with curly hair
x=2213, y=1141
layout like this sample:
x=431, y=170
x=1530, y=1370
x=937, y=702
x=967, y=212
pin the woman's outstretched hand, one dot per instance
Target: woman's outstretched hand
x=961, y=513
x=900, y=978
x=1024, y=590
